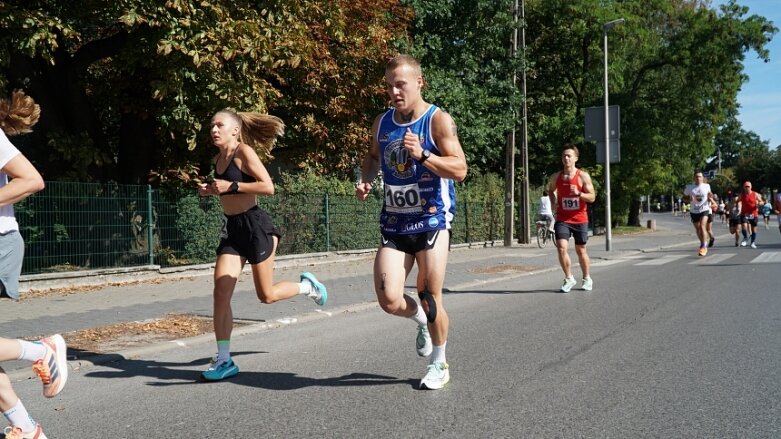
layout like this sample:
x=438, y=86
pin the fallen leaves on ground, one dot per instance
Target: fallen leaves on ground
x=112, y=338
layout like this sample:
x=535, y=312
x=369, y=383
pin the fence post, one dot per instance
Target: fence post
x=466, y=220
x=150, y=235
x=327, y=224
x=492, y=224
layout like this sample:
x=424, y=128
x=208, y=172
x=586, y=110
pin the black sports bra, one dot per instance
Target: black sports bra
x=233, y=173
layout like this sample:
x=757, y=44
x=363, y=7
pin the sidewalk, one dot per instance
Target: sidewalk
x=348, y=277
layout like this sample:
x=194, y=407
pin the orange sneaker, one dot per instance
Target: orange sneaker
x=11, y=432
x=52, y=369
x=703, y=251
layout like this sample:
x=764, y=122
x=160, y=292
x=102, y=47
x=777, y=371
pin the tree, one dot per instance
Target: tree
x=675, y=69
x=127, y=86
x=463, y=46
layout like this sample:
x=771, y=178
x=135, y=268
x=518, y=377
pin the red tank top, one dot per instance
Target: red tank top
x=570, y=208
x=748, y=204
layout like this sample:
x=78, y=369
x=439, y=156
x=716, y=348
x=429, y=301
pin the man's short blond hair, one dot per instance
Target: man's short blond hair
x=401, y=60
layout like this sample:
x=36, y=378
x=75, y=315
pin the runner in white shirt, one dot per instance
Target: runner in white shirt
x=18, y=180
x=700, y=196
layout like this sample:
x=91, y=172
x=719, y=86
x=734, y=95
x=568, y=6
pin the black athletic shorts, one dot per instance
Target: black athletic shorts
x=696, y=217
x=413, y=242
x=577, y=231
x=748, y=219
x=249, y=235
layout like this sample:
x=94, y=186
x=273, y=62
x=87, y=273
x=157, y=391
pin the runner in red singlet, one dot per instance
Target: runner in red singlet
x=570, y=190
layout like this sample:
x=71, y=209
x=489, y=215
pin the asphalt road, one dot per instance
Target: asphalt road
x=666, y=345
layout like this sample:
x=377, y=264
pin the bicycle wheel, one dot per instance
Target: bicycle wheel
x=542, y=235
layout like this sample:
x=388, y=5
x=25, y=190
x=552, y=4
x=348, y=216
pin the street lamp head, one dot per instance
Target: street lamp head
x=609, y=25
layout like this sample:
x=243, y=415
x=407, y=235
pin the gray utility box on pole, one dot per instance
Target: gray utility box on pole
x=595, y=131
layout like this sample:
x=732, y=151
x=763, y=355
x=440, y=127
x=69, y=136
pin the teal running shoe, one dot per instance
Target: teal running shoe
x=423, y=341
x=219, y=370
x=321, y=296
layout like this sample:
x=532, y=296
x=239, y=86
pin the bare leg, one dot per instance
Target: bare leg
x=263, y=276
x=584, y=260
x=564, y=261
x=432, y=265
x=226, y=273
x=390, y=271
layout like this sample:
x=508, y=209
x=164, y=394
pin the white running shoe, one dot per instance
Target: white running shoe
x=569, y=282
x=753, y=245
x=423, y=341
x=437, y=375
x=743, y=243
x=588, y=284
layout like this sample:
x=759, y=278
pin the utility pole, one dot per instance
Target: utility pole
x=608, y=215
x=525, y=214
x=509, y=157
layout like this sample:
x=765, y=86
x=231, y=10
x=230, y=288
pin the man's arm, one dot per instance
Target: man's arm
x=452, y=162
x=588, y=194
x=370, y=165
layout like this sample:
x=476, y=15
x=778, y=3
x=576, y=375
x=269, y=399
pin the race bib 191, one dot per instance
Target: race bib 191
x=403, y=199
x=572, y=203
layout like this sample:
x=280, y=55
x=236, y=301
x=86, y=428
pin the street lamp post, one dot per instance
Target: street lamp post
x=608, y=220
x=719, y=160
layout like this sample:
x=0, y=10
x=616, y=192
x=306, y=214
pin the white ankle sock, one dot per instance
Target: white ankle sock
x=18, y=417
x=306, y=287
x=438, y=354
x=419, y=317
x=31, y=350
x=223, y=350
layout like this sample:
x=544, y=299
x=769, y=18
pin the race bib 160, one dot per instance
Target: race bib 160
x=403, y=199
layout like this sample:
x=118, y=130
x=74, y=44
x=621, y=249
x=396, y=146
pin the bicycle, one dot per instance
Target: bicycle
x=544, y=234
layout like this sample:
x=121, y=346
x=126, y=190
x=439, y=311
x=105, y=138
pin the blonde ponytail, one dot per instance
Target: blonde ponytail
x=18, y=115
x=260, y=131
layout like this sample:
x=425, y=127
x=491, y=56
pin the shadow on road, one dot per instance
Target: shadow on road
x=177, y=374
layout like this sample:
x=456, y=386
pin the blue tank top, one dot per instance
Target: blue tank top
x=416, y=200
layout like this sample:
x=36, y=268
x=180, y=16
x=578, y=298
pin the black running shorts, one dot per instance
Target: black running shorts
x=748, y=219
x=577, y=231
x=249, y=235
x=413, y=242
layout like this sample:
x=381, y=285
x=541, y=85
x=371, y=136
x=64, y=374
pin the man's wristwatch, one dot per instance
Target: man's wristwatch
x=425, y=155
x=234, y=189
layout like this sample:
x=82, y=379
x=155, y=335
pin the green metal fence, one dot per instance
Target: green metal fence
x=81, y=226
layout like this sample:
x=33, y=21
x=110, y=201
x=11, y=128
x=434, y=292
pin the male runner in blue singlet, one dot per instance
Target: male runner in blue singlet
x=416, y=146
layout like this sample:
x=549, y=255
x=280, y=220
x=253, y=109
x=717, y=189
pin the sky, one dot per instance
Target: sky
x=760, y=97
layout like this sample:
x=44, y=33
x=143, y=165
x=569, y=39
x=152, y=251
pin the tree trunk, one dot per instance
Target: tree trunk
x=634, y=212
x=138, y=147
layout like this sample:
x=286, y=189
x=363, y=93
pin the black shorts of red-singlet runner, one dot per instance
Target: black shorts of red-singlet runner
x=578, y=231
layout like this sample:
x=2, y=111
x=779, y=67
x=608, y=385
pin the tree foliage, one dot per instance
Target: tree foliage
x=463, y=46
x=675, y=70
x=128, y=87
